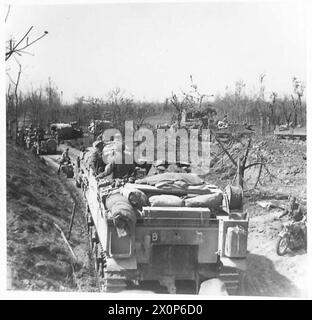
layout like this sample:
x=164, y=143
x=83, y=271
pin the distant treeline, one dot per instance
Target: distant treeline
x=44, y=106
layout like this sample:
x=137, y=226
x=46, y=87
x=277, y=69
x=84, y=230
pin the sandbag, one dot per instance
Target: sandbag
x=205, y=201
x=166, y=200
x=122, y=213
x=170, y=177
x=136, y=197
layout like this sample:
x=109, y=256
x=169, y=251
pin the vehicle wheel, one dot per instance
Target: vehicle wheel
x=282, y=245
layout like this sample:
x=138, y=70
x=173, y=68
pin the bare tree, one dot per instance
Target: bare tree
x=297, y=98
x=272, y=105
x=192, y=100
x=18, y=47
x=16, y=97
x=122, y=108
x=180, y=106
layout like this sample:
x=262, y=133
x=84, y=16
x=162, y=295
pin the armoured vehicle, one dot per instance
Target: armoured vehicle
x=232, y=131
x=166, y=243
x=286, y=132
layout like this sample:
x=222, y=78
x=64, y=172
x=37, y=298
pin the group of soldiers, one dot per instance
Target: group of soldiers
x=106, y=167
x=103, y=160
x=100, y=168
x=30, y=137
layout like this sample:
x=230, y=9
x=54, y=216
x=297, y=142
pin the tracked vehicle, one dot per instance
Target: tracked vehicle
x=291, y=133
x=168, y=244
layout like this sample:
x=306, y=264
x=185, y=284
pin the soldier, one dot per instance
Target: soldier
x=294, y=210
x=96, y=162
x=40, y=133
x=64, y=158
x=81, y=155
x=296, y=215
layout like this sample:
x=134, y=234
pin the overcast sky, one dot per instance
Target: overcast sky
x=151, y=49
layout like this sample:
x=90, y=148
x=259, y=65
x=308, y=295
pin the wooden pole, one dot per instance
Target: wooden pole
x=65, y=240
x=71, y=220
x=239, y=174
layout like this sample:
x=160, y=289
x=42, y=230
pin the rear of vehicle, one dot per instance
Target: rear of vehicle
x=170, y=245
x=68, y=170
x=48, y=146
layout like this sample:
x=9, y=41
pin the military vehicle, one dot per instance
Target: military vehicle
x=286, y=132
x=167, y=244
x=68, y=169
x=66, y=131
x=47, y=146
x=97, y=127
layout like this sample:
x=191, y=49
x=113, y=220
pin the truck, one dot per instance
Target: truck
x=66, y=131
x=169, y=244
x=48, y=145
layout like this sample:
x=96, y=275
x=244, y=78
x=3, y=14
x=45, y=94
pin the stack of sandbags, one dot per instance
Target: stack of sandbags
x=123, y=214
x=211, y=201
x=185, y=179
x=166, y=200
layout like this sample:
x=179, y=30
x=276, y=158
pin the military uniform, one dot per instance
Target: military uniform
x=64, y=158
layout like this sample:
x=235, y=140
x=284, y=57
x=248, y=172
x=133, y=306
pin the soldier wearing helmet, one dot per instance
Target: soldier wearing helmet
x=64, y=159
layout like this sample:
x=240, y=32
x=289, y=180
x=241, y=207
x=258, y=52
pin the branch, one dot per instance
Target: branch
x=17, y=50
x=259, y=175
x=224, y=149
x=29, y=44
x=246, y=154
x=12, y=50
x=65, y=240
x=253, y=164
x=6, y=17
